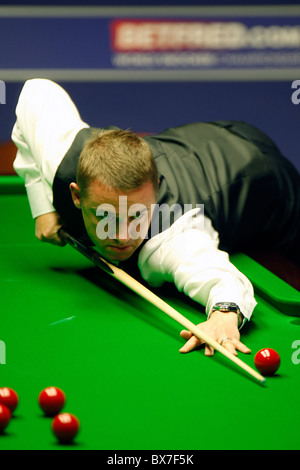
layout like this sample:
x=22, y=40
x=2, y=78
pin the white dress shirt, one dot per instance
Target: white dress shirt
x=47, y=123
x=186, y=254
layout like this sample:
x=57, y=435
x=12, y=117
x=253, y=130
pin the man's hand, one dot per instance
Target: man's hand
x=46, y=228
x=223, y=328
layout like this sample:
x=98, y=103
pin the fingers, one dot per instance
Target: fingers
x=209, y=350
x=192, y=341
x=240, y=346
x=232, y=345
x=47, y=227
x=186, y=334
x=56, y=240
x=52, y=238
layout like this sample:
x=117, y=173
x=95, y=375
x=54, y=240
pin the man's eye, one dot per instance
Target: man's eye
x=105, y=216
x=138, y=215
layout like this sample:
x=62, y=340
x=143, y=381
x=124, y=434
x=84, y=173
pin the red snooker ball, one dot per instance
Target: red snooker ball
x=267, y=361
x=5, y=416
x=51, y=400
x=65, y=426
x=9, y=398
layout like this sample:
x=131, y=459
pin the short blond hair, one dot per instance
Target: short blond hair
x=118, y=159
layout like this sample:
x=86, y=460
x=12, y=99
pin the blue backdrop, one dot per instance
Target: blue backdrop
x=151, y=106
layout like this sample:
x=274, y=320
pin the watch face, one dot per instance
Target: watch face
x=227, y=306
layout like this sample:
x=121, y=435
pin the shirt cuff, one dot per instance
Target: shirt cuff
x=39, y=201
x=246, y=306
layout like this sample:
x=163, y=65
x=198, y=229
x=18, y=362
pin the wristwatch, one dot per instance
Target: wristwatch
x=227, y=307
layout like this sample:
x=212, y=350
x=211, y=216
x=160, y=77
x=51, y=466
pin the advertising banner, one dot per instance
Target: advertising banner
x=150, y=43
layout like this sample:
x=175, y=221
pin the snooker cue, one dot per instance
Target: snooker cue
x=145, y=293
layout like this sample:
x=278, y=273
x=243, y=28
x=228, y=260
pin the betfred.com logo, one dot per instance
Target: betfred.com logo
x=161, y=35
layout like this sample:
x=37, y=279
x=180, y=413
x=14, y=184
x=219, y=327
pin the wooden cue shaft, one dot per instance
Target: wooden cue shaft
x=137, y=287
x=141, y=290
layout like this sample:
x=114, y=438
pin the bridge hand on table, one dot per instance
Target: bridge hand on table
x=223, y=328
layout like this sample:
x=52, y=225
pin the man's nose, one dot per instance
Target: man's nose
x=122, y=232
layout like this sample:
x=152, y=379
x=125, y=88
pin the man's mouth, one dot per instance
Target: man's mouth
x=120, y=248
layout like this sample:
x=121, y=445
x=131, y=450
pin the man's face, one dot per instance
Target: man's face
x=116, y=222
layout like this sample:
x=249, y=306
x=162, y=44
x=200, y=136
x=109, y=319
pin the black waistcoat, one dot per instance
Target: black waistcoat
x=232, y=168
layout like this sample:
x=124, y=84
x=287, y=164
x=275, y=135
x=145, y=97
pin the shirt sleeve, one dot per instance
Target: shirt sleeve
x=187, y=254
x=38, y=190
x=46, y=125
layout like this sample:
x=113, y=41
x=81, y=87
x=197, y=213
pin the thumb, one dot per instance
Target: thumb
x=185, y=334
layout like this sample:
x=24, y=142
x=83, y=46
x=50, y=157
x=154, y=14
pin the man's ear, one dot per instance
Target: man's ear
x=75, y=192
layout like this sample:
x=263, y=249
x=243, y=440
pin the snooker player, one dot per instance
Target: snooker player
x=250, y=194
